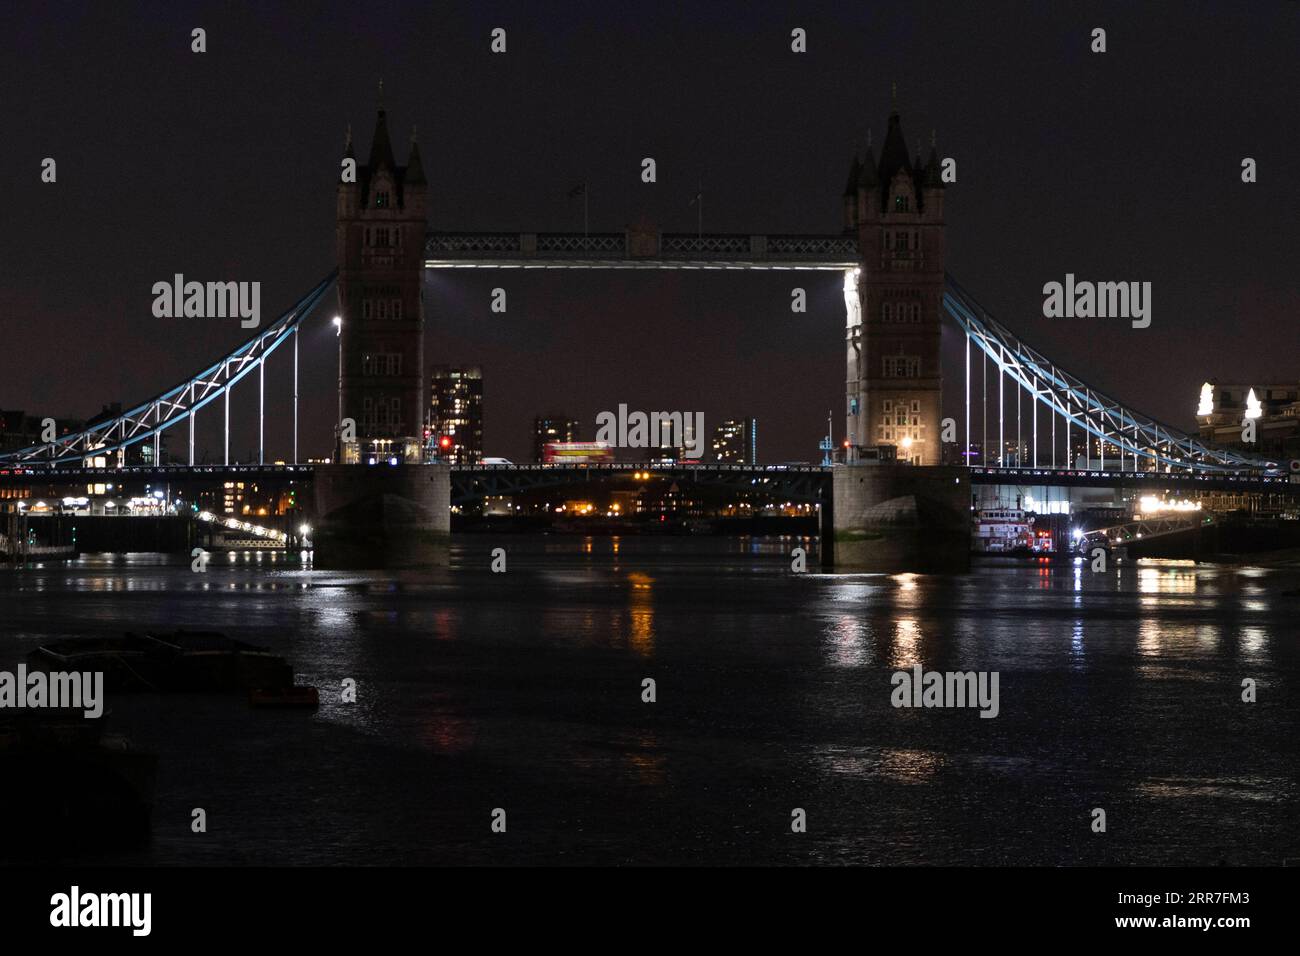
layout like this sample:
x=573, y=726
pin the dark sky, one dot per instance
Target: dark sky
x=1120, y=166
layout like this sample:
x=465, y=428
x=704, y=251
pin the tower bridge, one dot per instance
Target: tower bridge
x=897, y=294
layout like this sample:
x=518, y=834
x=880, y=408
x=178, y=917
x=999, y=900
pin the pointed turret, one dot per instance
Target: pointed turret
x=855, y=167
x=381, y=150
x=851, y=196
x=932, y=171
x=414, y=169
x=867, y=173
x=348, y=151
x=893, y=155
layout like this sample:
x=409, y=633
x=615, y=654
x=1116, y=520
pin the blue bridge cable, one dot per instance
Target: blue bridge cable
x=176, y=404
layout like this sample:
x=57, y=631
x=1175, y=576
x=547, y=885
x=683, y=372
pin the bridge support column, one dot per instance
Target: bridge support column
x=854, y=400
x=382, y=516
x=893, y=518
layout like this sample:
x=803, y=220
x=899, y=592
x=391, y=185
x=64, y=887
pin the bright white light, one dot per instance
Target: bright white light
x=1253, y=407
x=304, y=529
x=1207, y=400
x=1150, y=504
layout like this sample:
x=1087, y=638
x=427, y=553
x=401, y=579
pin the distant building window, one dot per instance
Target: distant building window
x=889, y=312
x=900, y=204
x=365, y=308
x=397, y=308
x=381, y=200
x=916, y=313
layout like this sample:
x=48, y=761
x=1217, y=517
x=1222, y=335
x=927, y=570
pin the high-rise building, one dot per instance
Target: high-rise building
x=549, y=428
x=895, y=207
x=380, y=227
x=735, y=442
x=456, y=414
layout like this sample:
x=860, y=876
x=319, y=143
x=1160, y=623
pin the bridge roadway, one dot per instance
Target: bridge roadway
x=804, y=483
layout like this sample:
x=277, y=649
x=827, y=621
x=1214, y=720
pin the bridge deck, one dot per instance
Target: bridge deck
x=1152, y=480
x=632, y=250
x=789, y=475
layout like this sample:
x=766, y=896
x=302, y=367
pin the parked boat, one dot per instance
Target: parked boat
x=1003, y=531
x=180, y=661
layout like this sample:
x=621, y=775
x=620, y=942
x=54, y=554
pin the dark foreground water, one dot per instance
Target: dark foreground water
x=522, y=691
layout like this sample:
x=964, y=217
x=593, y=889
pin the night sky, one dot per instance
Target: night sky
x=222, y=166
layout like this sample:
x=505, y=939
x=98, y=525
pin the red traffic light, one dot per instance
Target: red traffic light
x=444, y=441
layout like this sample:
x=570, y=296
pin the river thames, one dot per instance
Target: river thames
x=523, y=691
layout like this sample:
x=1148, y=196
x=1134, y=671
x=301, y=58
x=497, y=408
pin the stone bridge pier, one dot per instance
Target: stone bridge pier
x=894, y=518
x=382, y=516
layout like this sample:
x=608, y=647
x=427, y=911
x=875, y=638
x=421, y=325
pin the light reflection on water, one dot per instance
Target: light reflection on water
x=477, y=689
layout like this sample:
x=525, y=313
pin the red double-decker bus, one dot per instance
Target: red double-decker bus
x=576, y=452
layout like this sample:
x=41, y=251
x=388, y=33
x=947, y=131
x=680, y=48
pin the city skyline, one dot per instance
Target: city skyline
x=628, y=435
x=722, y=340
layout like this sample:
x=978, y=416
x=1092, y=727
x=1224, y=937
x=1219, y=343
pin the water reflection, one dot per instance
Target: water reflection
x=910, y=766
x=642, y=613
x=470, y=685
x=847, y=643
x=904, y=647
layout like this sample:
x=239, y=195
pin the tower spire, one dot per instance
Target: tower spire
x=381, y=92
x=414, y=175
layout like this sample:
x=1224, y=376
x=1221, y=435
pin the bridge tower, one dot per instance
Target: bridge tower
x=380, y=227
x=895, y=207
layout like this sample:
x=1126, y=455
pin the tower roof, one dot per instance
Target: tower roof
x=381, y=150
x=414, y=174
x=381, y=158
x=855, y=168
x=893, y=155
x=867, y=177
